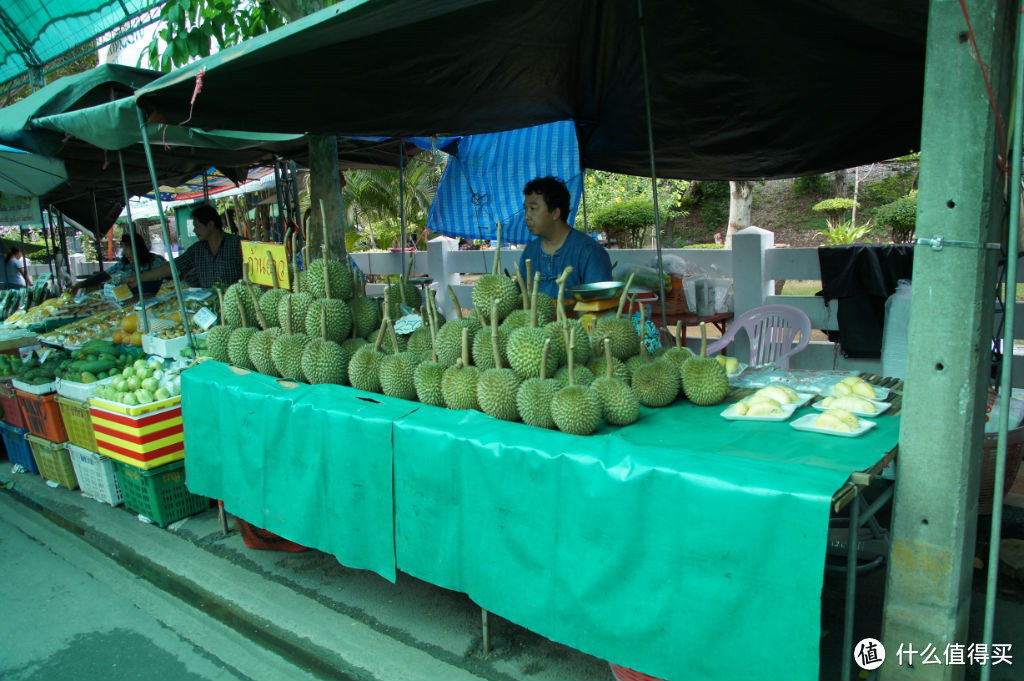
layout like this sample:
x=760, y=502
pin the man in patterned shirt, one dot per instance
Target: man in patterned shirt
x=216, y=257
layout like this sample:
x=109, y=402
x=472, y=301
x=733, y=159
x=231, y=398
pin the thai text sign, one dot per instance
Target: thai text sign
x=19, y=210
x=255, y=253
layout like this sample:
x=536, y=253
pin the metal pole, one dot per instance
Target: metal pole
x=650, y=146
x=1006, y=375
x=401, y=196
x=278, y=179
x=295, y=193
x=586, y=223
x=63, y=236
x=49, y=259
x=135, y=250
x=166, y=234
x=96, y=231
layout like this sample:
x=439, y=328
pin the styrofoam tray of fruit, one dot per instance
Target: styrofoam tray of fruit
x=733, y=412
x=74, y=390
x=849, y=386
x=38, y=389
x=806, y=423
x=166, y=347
x=854, y=407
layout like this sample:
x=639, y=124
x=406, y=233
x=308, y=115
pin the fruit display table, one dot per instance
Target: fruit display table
x=667, y=546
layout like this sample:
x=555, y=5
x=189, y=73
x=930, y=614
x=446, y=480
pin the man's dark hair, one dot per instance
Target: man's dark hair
x=554, y=192
x=207, y=213
x=145, y=255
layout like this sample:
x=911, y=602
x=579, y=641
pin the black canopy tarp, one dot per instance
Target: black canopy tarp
x=739, y=90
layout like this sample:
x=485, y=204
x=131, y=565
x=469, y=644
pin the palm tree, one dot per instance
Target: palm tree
x=371, y=201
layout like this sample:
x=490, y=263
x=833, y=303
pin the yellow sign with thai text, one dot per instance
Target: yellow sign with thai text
x=264, y=260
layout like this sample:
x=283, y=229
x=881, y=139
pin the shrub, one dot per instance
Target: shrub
x=626, y=222
x=834, y=209
x=900, y=217
x=844, y=232
x=811, y=184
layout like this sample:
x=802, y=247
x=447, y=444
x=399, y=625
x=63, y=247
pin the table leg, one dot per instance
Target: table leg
x=486, y=629
x=222, y=518
x=851, y=587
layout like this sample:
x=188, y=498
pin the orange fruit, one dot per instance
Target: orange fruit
x=137, y=339
x=119, y=336
x=130, y=323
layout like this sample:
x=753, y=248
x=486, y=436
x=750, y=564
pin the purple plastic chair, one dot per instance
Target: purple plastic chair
x=771, y=329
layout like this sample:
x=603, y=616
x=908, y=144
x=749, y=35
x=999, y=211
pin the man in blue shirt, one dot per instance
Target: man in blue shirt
x=546, y=206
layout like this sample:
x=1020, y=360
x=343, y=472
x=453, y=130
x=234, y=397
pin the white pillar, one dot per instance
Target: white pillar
x=438, y=268
x=750, y=285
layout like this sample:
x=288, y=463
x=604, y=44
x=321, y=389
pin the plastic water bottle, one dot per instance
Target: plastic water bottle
x=894, y=332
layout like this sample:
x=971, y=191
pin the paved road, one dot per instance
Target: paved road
x=70, y=612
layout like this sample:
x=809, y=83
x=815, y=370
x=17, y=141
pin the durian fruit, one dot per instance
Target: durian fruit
x=458, y=383
x=323, y=360
x=619, y=405
x=678, y=353
x=562, y=325
x=526, y=346
x=238, y=342
x=496, y=285
x=260, y=345
x=556, y=329
x=655, y=381
x=428, y=374
x=519, y=318
x=338, y=316
x=396, y=371
x=421, y=340
x=217, y=336
x=268, y=305
x=402, y=293
x=449, y=337
x=497, y=388
x=625, y=342
x=581, y=375
x=299, y=304
x=364, y=367
x=340, y=275
x=286, y=351
x=365, y=311
x=598, y=365
x=237, y=301
x=575, y=408
x=482, y=350
x=545, y=306
x=535, y=394
x=704, y=379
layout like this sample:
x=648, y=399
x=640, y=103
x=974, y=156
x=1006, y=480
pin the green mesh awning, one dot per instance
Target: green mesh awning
x=33, y=32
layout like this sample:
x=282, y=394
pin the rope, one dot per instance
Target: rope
x=195, y=93
x=984, y=68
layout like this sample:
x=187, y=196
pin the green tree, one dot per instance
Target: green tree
x=371, y=200
x=190, y=30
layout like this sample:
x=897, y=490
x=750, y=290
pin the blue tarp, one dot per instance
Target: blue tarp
x=483, y=182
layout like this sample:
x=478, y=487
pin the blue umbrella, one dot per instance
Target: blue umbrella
x=27, y=174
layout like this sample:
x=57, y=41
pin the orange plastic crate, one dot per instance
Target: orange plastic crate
x=42, y=416
x=9, y=401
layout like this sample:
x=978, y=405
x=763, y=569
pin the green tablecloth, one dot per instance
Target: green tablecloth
x=685, y=546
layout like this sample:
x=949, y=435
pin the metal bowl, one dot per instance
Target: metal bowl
x=597, y=291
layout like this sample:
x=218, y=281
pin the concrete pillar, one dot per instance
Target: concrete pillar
x=961, y=194
x=750, y=288
x=438, y=268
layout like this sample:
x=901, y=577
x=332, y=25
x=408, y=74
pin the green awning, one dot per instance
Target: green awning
x=33, y=32
x=770, y=89
x=114, y=125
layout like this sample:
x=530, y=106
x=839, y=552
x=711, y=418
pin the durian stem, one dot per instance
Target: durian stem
x=608, y=357
x=483, y=320
x=273, y=269
x=529, y=271
x=679, y=334
x=533, y=300
x=643, y=328
x=288, y=317
x=571, y=351
x=562, y=278
x=465, y=346
x=522, y=288
x=220, y=299
x=327, y=278
x=703, y=339
x=380, y=336
x=323, y=226
x=323, y=322
x=455, y=299
x=623, y=295
x=245, y=273
x=544, y=359
x=494, y=334
x=496, y=267
x=295, y=266
x=241, y=309
x=432, y=323
x=394, y=336
x=260, y=318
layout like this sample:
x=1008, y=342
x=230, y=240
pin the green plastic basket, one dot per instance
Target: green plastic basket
x=159, y=493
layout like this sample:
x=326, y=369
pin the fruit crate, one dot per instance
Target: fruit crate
x=160, y=493
x=53, y=461
x=18, y=450
x=75, y=390
x=144, y=441
x=77, y=423
x=42, y=416
x=9, y=401
x=35, y=388
x=96, y=475
x=167, y=347
x=137, y=409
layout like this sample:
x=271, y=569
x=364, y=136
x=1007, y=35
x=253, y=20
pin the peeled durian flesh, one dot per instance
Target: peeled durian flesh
x=837, y=419
x=854, y=385
x=765, y=407
x=779, y=393
x=851, y=403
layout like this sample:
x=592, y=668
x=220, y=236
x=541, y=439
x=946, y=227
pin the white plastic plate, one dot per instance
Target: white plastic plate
x=880, y=392
x=730, y=413
x=807, y=423
x=881, y=408
x=802, y=398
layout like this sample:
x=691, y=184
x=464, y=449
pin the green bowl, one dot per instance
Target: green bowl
x=597, y=291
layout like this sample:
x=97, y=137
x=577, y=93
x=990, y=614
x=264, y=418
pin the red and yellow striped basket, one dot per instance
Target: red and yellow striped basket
x=144, y=441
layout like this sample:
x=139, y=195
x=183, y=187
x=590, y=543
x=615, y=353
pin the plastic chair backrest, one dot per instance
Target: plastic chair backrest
x=771, y=329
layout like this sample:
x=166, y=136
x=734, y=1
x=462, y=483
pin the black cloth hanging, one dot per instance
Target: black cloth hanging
x=860, y=277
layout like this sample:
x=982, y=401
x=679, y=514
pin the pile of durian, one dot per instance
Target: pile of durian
x=515, y=356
